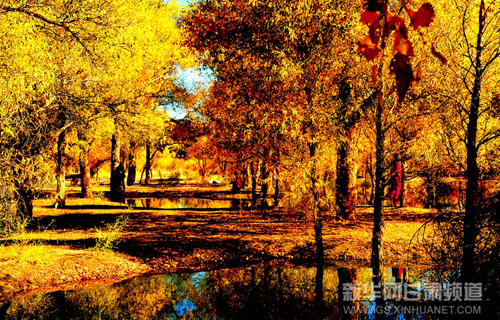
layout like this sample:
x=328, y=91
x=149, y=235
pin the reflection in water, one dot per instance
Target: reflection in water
x=247, y=293
x=190, y=203
x=178, y=203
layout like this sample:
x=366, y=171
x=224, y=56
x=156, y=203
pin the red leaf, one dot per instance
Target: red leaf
x=402, y=29
x=398, y=42
x=367, y=48
x=411, y=13
x=423, y=17
x=401, y=67
x=373, y=32
x=438, y=55
x=397, y=24
x=402, y=45
x=407, y=48
x=368, y=17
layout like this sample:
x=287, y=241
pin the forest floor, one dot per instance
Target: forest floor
x=95, y=240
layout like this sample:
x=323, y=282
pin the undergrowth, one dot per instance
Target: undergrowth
x=107, y=239
x=22, y=247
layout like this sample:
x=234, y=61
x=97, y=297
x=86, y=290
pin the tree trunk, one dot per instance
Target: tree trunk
x=346, y=178
x=202, y=164
x=25, y=205
x=147, y=166
x=276, y=190
x=117, y=170
x=61, y=170
x=472, y=174
x=402, y=193
x=132, y=166
x=378, y=215
x=254, y=183
x=244, y=177
x=345, y=183
x=372, y=181
x=85, y=181
x=264, y=185
x=317, y=212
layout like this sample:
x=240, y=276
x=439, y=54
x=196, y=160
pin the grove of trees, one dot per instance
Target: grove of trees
x=83, y=73
x=314, y=90
x=313, y=100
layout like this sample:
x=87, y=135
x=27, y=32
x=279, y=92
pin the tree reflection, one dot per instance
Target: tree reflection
x=250, y=293
x=346, y=293
x=318, y=289
x=181, y=203
x=246, y=293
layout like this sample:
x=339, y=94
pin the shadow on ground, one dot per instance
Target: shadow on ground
x=191, y=239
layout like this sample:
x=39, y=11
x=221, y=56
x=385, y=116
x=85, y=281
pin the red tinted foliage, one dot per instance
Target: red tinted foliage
x=423, y=17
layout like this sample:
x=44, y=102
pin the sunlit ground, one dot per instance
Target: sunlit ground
x=61, y=246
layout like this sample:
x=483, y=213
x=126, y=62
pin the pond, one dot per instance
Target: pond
x=253, y=293
x=179, y=203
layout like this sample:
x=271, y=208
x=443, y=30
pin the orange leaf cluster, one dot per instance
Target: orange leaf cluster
x=381, y=24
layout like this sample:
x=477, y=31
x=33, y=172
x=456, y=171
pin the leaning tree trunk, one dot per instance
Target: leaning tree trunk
x=86, y=184
x=61, y=170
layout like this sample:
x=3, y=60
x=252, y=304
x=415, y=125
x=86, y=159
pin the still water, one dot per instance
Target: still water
x=179, y=203
x=244, y=293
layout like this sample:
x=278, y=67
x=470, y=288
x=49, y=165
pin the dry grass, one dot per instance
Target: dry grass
x=43, y=268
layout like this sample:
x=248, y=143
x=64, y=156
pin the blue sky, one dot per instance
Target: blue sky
x=191, y=78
